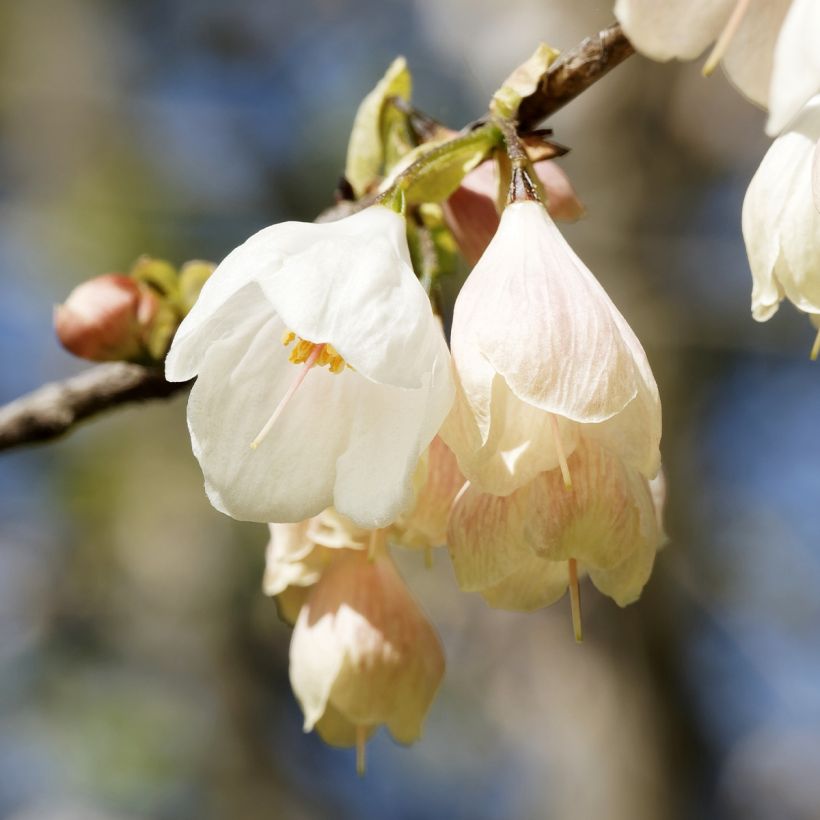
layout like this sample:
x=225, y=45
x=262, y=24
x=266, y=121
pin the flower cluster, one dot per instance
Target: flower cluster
x=328, y=400
x=769, y=51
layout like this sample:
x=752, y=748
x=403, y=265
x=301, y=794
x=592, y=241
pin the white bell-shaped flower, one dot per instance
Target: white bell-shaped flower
x=542, y=358
x=746, y=31
x=781, y=223
x=768, y=47
x=363, y=654
x=342, y=416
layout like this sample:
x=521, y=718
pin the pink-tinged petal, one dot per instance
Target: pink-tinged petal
x=362, y=646
x=353, y=286
x=535, y=584
x=625, y=582
x=606, y=516
x=486, y=537
x=672, y=29
x=796, y=73
x=425, y=524
x=563, y=203
x=749, y=58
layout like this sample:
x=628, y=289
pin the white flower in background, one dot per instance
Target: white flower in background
x=796, y=75
x=781, y=223
x=768, y=47
x=322, y=374
x=363, y=654
x=523, y=551
x=542, y=358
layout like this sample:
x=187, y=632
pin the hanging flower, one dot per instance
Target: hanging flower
x=543, y=358
x=768, y=47
x=322, y=374
x=363, y=654
x=472, y=215
x=781, y=223
x=523, y=551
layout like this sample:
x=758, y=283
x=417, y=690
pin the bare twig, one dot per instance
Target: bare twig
x=574, y=72
x=55, y=408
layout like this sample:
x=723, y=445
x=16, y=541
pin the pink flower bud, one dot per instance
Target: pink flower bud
x=105, y=318
x=471, y=211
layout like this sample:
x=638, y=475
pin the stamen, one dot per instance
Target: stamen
x=562, y=459
x=729, y=31
x=361, y=741
x=575, y=600
x=815, y=348
x=377, y=542
x=309, y=362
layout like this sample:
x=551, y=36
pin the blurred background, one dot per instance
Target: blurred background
x=142, y=672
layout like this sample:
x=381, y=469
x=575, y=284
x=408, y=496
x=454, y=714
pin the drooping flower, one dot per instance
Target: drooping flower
x=543, y=358
x=768, y=47
x=472, y=215
x=339, y=419
x=363, y=654
x=523, y=551
x=781, y=224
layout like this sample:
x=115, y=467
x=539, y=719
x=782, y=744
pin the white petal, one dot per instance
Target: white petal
x=354, y=287
x=781, y=226
x=668, y=29
x=796, y=73
x=815, y=184
x=749, y=58
x=390, y=429
x=220, y=306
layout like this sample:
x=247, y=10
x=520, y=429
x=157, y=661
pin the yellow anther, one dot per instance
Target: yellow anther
x=328, y=356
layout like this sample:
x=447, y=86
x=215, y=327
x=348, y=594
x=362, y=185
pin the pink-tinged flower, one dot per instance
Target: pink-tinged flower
x=523, y=551
x=543, y=358
x=472, y=213
x=107, y=318
x=322, y=374
x=781, y=224
x=424, y=524
x=768, y=47
x=363, y=654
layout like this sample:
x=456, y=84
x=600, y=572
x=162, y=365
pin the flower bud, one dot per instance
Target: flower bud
x=363, y=654
x=471, y=211
x=105, y=318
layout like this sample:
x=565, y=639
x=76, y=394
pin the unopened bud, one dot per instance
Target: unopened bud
x=192, y=276
x=105, y=318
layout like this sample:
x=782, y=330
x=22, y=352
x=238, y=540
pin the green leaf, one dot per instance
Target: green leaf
x=522, y=82
x=366, y=150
